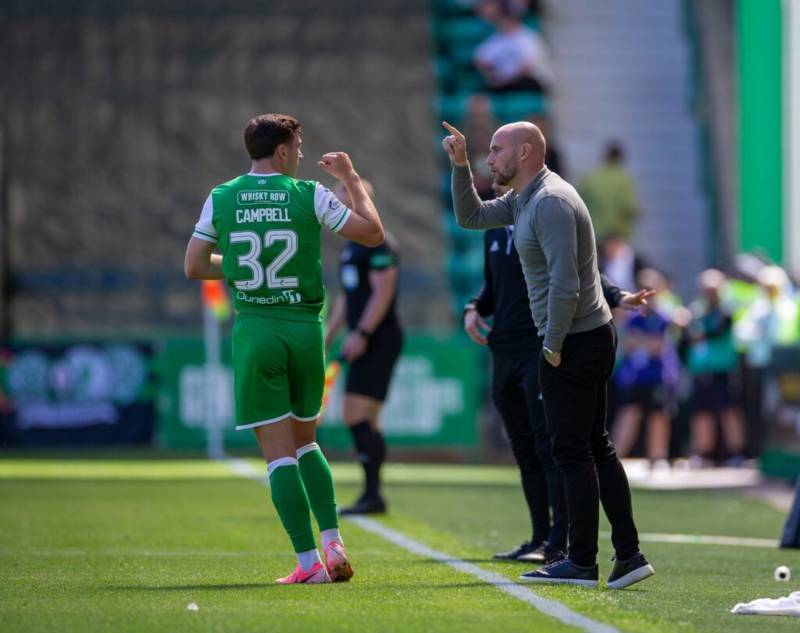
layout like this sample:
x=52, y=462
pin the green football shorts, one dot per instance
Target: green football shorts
x=278, y=369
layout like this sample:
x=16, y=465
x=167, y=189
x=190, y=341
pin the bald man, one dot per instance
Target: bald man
x=555, y=241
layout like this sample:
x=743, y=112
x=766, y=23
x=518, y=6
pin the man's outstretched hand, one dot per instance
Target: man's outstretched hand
x=455, y=145
x=636, y=300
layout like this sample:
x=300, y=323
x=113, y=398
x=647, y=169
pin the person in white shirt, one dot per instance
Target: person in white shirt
x=514, y=57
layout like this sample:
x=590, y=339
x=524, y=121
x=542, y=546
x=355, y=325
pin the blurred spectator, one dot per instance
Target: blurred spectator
x=712, y=361
x=610, y=195
x=479, y=125
x=646, y=377
x=515, y=56
x=770, y=320
x=618, y=261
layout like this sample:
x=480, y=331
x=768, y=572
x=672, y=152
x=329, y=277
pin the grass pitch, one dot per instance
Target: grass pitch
x=126, y=544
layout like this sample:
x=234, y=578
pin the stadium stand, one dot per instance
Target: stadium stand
x=119, y=117
x=624, y=72
x=457, y=31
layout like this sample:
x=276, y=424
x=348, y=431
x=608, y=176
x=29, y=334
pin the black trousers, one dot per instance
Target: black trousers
x=516, y=394
x=575, y=406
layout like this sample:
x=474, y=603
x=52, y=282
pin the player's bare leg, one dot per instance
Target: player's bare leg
x=277, y=443
x=658, y=432
x=626, y=428
x=733, y=433
x=362, y=416
x=704, y=436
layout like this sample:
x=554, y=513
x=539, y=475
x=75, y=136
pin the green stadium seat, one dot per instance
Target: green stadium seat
x=513, y=106
x=461, y=56
x=445, y=74
x=532, y=20
x=452, y=8
x=453, y=107
x=468, y=80
x=457, y=31
x=465, y=32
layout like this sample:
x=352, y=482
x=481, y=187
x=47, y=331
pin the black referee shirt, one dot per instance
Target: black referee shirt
x=504, y=295
x=356, y=263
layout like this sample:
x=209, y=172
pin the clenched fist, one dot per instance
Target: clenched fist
x=337, y=164
x=455, y=145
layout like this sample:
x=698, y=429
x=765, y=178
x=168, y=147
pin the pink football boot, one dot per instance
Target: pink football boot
x=339, y=568
x=314, y=576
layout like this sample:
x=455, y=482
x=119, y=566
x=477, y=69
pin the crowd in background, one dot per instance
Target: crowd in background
x=689, y=378
x=701, y=365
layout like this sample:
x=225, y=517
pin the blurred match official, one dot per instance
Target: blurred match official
x=556, y=245
x=367, y=305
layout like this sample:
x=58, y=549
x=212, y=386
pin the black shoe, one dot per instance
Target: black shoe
x=630, y=571
x=365, y=505
x=563, y=572
x=525, y=548
x=537, y=555
x=554, y=556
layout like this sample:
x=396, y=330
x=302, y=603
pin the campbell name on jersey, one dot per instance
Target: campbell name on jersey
x=268, y=230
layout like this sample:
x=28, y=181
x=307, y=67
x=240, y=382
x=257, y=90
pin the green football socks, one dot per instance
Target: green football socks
x=291, y=502
x=318, y=480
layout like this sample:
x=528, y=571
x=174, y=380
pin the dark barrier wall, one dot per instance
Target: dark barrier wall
x=76, y=394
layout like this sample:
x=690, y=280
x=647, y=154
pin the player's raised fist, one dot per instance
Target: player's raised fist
x=337, y=164
x=455, y=145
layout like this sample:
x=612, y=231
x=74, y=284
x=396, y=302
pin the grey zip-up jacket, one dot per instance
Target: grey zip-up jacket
x=554, y=237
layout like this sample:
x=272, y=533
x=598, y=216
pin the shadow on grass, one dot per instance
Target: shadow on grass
x=270, y=585
x=217, y=587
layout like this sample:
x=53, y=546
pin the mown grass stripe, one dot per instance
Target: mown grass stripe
x=552, y=608
x=549, y=607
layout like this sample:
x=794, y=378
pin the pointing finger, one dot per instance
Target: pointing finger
x=454, y=131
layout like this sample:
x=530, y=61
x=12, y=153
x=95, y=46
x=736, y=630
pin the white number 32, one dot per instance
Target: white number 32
x=251, y=259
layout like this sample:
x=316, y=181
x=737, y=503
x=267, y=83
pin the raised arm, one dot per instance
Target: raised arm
x=471, y=211
x=364, y=224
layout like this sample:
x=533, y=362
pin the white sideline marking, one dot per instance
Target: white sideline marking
x=245, y=469
x=548, y=607
x=705, y=539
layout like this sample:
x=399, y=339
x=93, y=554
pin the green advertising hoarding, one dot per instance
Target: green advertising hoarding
x=433, y=402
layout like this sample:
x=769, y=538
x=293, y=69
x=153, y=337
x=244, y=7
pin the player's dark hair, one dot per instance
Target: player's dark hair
x=266, y=131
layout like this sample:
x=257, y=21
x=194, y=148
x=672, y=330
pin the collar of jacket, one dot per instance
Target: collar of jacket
x=532, y=186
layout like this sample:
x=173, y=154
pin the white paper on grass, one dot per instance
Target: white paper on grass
x=790, y=605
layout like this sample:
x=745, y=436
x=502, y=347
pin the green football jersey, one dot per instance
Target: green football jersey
x=268, y=230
